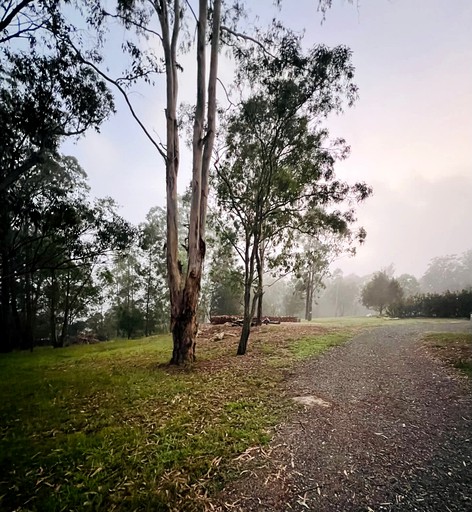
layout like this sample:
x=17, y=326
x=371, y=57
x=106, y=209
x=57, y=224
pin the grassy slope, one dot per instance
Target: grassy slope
x=110, y=426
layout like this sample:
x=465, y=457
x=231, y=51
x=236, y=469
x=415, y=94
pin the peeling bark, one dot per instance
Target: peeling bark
x=185, y=290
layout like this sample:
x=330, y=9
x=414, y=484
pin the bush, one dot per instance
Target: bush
x=440, y=305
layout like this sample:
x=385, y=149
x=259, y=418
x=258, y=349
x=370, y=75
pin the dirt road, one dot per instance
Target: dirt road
x=392, y=431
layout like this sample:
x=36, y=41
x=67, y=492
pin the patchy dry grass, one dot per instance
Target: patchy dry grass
x=453, y=348
x=112, y=427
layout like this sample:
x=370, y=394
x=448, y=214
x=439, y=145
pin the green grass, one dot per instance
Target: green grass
x=111, y=427
x=312, y=346
x=453, y=348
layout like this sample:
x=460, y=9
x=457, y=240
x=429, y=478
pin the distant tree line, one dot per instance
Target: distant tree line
x=437, y=305
x=444, y=290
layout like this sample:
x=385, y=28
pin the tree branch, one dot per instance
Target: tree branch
x=8, y=18
x=125, y=96
x=240, y=35
x=132, y=22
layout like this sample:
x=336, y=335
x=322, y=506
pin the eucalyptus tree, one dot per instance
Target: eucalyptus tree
x=275, y=175
x=312, y=263
x=184, y=278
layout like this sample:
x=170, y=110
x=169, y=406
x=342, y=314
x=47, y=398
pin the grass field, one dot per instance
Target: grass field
x=453, y=348
x=112, y=427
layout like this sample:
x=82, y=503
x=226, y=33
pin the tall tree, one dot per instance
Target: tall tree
x=380, y=292
x=276, y=175
x=312, y=266
x=184, y=285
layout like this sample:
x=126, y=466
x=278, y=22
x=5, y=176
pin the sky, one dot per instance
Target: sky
x=410, y=131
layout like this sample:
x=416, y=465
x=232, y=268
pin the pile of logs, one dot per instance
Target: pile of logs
x=238, y=320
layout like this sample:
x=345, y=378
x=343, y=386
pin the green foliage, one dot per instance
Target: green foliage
x=277, y=178
x=42, y=100
x=52, y=238
x=380, y=292
x=51, y=234
x=440, y=305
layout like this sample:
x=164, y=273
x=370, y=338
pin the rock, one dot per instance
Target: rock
x=311, y=401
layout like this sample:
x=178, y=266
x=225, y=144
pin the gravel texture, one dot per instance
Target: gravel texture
x=396, y=434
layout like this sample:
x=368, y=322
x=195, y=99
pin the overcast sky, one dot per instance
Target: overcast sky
x=410, y=132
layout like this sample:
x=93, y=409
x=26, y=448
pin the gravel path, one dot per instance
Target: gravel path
x=396, y=434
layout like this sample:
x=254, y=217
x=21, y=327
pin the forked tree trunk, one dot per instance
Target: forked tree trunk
x=185, y=290
x=185, y=329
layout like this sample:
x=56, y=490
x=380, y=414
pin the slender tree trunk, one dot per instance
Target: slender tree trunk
x=52, y=311
x=5, y=311
x=174, y=266
x=308, y=297
x=258, y=312
x=246, y=329
x=260, y=282
x=65, y=321
x=148, y=296
x=249, y=310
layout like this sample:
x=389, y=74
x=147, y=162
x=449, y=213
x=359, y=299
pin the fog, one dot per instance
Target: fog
x=410, y=131
x=410, y=224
